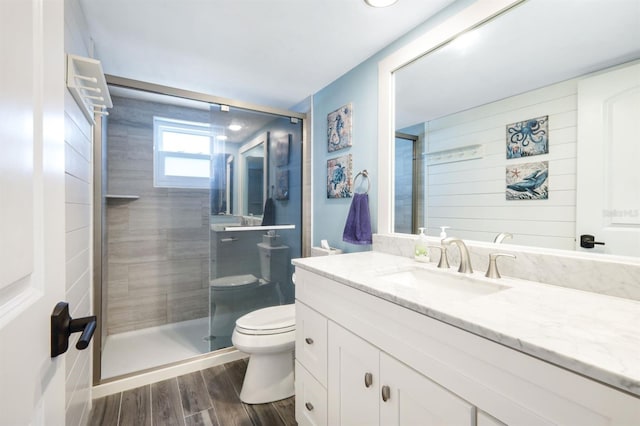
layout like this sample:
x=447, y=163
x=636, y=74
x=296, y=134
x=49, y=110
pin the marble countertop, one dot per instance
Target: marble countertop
x=594, y=335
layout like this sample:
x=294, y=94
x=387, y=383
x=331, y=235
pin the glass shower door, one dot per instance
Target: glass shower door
x=255, y=236
x=175, y=278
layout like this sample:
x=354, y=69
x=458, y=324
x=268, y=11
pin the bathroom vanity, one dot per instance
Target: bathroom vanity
x=383, y=340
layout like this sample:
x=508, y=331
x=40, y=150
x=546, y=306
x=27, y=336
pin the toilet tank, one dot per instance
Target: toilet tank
x=274, y=262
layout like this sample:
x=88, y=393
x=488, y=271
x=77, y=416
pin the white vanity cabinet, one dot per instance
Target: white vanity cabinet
x=311, y=366
x=354, y=379
x=415, y=400
x=431, y=372
x=367, y=386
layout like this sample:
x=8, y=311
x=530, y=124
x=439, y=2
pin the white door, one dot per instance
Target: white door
x=414, y=400
x=608, y=177
x=353, y=382
x=32, y=389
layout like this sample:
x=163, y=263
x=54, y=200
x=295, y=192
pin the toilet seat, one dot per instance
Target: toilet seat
x=266, y=321
x=233, y=281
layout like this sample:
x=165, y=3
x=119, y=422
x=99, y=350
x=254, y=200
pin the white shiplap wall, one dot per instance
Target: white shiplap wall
x=79, y=190
x=469, y=196
x=78, y=177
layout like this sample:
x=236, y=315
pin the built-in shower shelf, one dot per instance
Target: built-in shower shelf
x=121, y=197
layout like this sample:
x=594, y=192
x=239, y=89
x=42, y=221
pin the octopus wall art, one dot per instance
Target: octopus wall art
x=528, y=137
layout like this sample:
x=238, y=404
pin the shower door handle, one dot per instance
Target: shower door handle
x=62, y=326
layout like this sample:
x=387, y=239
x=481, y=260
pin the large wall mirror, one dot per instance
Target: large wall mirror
x=524, y=123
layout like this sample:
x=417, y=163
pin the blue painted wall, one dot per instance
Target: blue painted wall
x=359, y=86
x=330, y=214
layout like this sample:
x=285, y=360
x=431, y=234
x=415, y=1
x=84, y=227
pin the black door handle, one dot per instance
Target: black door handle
x=62, y=326
x=589, y=241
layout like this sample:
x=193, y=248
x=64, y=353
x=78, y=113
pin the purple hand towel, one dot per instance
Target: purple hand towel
x=357, y=230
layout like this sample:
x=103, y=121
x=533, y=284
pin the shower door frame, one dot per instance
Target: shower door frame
x=99, y=201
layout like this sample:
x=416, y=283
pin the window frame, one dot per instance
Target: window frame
x=160, y=178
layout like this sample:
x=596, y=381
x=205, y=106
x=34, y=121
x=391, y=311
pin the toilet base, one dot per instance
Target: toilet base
x=269, y=378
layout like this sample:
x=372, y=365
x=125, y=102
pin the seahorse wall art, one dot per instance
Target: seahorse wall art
x=339, y=128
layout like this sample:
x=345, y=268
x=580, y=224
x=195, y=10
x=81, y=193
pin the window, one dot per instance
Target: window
x=182, y=154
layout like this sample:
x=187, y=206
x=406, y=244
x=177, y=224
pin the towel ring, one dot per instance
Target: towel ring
x=365, y=175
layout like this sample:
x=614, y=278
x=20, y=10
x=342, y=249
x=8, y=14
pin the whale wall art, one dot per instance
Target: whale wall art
x=528, y=181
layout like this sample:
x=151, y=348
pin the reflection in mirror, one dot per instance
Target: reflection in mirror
x=405, y=201
x=221, y=184
x=253, y=175
x=530, y=70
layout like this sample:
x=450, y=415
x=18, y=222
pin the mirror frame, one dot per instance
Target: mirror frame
x=467, y=19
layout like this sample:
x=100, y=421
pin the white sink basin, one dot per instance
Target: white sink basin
x=449, y=284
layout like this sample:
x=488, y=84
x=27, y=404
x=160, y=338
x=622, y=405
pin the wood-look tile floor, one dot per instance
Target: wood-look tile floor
x=208, y=397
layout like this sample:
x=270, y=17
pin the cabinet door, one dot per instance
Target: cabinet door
x=353, y=382
x=415, y=400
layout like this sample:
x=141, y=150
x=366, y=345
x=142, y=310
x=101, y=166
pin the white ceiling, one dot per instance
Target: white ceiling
x=269, y=52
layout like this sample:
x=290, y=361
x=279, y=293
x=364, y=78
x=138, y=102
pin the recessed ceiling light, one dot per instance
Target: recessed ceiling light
x=221, y=137
x=234, y=127
x=380, y=3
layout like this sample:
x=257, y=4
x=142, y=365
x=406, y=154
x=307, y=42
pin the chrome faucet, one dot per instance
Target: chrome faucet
x=444, y=261
x=492, y=271
x=465, y=260
x=502, y=236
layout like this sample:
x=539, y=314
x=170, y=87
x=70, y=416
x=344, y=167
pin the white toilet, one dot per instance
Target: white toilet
x=236, y=295
x=268, y=336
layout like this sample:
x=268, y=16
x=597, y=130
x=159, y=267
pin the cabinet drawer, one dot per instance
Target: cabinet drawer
x=311, y=399
x=311, y=341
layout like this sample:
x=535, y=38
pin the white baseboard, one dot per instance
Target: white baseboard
x=151, y=376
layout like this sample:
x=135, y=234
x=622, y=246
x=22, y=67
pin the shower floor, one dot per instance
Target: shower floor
x=137, y=350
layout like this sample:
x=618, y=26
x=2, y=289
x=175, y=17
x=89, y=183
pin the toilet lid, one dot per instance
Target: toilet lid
x=233, y=281
x=272, y=320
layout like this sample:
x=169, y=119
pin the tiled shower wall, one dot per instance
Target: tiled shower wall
x=157, y=245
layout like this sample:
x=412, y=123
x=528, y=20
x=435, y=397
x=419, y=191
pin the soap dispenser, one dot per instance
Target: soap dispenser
x=443, y=232
x=421, y=252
